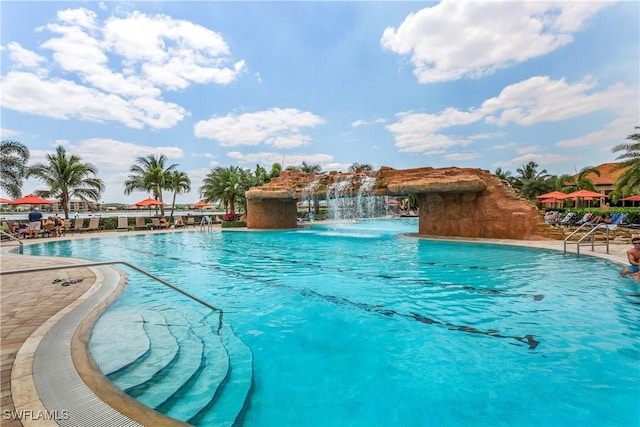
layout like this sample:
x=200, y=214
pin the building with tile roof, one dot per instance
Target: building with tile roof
x=608, y=177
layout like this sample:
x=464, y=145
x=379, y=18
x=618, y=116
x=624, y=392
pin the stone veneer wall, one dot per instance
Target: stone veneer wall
x=453, y=202
x=270, y=214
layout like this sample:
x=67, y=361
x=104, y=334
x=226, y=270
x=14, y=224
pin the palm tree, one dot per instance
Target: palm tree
x=67, y=176
x=151, y=175
x=580, y=181
x=309, y=168
x=223, y=184
x=178, y=183
x=530, y=182
x=360, y=167
x=260, y=176
x=276, y=168
x=630, y=178
x=13, y=160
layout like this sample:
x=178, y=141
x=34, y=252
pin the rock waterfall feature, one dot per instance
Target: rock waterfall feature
x=453, y=202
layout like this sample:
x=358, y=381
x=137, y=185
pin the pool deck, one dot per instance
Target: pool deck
x=32, y=303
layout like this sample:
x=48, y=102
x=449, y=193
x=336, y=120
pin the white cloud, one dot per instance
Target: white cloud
x=540, y=158
x=611, y=134
x=461, y=157
x=266, y=159
x=8, y=133
x=456, y=39
x=23, y=57
x=277, y=127
x=65, y=99
x=535, y=100
x=417, y=132
x=116, y=70
x=540, y=99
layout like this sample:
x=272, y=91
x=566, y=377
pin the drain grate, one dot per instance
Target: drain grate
x=61, y=389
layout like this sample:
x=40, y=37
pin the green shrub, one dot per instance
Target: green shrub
x=110, y=223
x=233, y=224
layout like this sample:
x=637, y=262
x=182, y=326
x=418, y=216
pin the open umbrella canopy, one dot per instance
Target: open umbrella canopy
x=30, y=199
x=549, y=200
x=148, y=202
x=201, y=204
x=635, y=198
x=581, y=194
x=4, y=201
x=552, y=195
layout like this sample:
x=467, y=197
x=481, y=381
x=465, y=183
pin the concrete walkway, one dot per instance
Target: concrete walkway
x=30, y=300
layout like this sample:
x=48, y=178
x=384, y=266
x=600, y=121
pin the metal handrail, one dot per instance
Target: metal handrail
x=12, y=237
x=138, y=269
x=591, y=233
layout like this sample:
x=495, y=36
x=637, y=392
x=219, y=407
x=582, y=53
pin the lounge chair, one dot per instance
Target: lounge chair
x=67, y=225
x=123, y=223
x=155, y=224
x=178, y=222
x=140, y=224
x=569, y=219
x=94, y=225
x=49, y=230
x=78, y=225
x=191, y=221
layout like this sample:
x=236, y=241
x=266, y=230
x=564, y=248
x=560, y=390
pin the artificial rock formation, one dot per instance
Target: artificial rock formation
x=453, y=202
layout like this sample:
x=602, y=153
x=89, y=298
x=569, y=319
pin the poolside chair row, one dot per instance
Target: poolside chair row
x=141, y=223
x=79, y=225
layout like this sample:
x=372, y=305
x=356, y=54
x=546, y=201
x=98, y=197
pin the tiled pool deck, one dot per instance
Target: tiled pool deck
x=33, y=303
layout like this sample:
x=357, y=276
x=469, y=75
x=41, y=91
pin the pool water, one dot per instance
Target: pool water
x=355, y=324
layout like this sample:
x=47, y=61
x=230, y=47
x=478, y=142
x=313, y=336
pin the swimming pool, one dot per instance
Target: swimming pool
x=353, y=324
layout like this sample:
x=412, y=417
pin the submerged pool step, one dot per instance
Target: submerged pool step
x=180, y=367
x=234, y=391
x=118, y=339
x=202, y=388
x=172, y=377
x=163, y=350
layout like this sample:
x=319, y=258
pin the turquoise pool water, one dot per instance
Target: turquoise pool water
x=353, y=324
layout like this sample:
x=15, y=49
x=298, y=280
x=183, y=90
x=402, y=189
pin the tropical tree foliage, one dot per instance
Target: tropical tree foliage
x=13, y=161
x=629, y=182
x=580, y=181
x=150, y=174
x=178, y=183
x=532, y=183
x=67, y=176
x=360, y=167
x=309, y=168
x=276, y=168
x=225, y=184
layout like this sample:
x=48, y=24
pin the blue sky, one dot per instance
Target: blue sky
x=399, y=84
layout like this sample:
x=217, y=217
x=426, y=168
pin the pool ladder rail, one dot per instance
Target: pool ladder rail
x=586, y=235
x=12, y=237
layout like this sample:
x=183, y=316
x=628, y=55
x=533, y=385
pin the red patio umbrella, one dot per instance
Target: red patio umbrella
x=583, y=194
x=201, y=204
x=31, y=199
x=4, y=201
x=635, y=198
x=149, y=202
x=552, y=195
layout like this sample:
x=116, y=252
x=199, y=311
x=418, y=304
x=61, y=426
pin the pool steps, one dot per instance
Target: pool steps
x=182, y=367
x=132, y=345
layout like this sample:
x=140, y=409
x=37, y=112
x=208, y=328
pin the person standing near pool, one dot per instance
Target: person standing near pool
x=633, y=255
